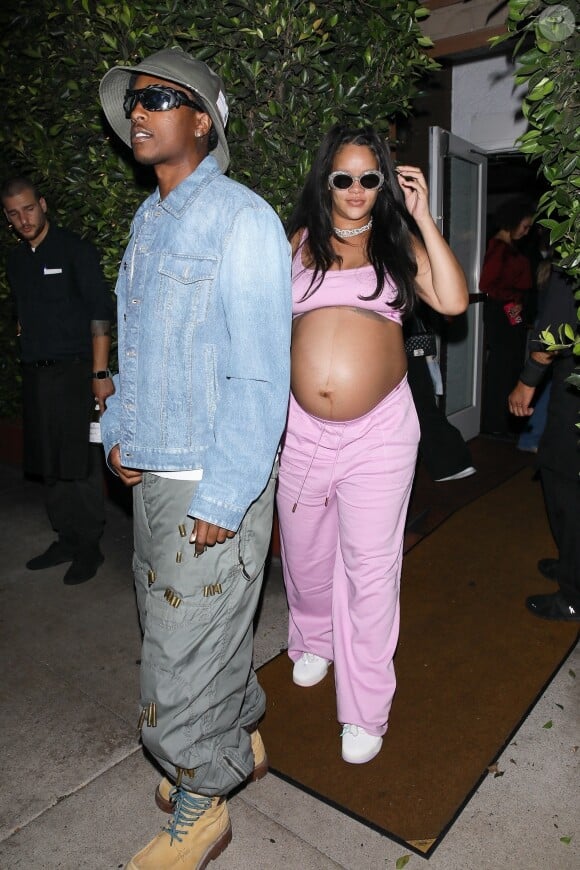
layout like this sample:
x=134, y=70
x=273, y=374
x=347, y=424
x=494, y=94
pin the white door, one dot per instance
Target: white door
x=457, y=199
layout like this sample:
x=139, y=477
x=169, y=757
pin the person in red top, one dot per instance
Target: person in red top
x=506, y=277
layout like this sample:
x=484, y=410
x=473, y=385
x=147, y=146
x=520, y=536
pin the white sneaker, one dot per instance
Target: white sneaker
x=309, y=669
x=358, y=746
x=465, y=472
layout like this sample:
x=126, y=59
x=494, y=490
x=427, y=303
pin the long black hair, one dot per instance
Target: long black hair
x=390, y=248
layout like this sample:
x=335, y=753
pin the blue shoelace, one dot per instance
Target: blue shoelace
x=188, y=809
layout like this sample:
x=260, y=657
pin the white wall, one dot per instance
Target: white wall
x=486, y=104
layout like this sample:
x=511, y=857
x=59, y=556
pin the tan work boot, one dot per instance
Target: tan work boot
x=163, y=792
x=197, y=833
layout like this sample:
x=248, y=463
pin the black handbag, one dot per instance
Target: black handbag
x=419, y=340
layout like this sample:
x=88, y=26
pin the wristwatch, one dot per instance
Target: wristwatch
x=104, y=373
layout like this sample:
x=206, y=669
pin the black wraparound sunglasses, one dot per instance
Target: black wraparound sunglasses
x=157, y=98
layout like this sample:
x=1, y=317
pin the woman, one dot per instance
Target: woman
x=506, y=277
x=363, y=245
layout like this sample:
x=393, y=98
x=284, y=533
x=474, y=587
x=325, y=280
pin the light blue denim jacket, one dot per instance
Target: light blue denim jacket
x=204, y=315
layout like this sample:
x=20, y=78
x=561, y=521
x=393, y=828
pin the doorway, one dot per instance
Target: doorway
x=458, y=194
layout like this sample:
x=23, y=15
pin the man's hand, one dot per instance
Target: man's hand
x=102, y=389
x=205, y=535
x=129, y=476
x=519, y=400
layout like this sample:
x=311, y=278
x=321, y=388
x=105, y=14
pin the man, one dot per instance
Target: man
x=558, y=454
x=200, y=404
x=64, y=311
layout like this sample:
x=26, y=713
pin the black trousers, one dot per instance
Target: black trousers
x=562, y=499
x=76, y=508
x=57, y=402
x=505, y=353
x=442, y=448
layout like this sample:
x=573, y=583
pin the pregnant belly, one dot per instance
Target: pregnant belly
x=345, y=361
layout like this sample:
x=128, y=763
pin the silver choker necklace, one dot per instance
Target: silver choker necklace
x=348, y=234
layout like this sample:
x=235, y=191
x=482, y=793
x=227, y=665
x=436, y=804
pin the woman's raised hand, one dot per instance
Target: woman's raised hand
x=414, y=187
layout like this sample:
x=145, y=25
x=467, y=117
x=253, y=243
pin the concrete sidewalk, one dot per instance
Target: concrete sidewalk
x=76, y=791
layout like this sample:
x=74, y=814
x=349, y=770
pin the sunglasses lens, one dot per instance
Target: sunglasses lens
x=370, y=180
x=159, y=100
x=342, y=181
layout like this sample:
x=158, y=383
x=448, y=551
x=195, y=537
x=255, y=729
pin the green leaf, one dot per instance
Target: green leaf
x=544, y=45
x=402, y=862
x=559, y=231
x=518, y=5
x=566, y=840
x=544, y=87
x=547, y=336
x=548, y=724
x=110, y=40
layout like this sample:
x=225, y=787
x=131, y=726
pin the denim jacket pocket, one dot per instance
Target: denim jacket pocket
x=188, y=282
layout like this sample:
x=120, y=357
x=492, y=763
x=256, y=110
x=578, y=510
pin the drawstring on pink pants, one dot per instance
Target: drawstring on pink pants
x=331, y=480
x=295, y=505
x=311, y=463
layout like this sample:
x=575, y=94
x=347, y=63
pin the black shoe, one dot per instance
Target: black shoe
x=549, y=568
x=57, y=553
x=85, y=565
x=553, y=606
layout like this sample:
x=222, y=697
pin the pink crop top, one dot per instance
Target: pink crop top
x=341, y=287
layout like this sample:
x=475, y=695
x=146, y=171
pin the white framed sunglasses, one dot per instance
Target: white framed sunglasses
x=371, y=179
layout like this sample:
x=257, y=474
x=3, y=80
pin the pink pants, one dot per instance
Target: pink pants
x=342, y=500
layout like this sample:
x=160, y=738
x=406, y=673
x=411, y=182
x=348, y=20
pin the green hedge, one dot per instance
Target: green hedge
x=546, y=51
x=291, y=70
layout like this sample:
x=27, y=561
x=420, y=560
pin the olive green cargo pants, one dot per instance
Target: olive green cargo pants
x=200, y=697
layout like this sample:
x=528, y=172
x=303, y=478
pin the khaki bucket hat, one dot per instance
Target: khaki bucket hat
x=177, y=66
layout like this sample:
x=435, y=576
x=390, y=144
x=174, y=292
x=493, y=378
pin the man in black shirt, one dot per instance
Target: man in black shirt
x=558, y=454
x=64, y=311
